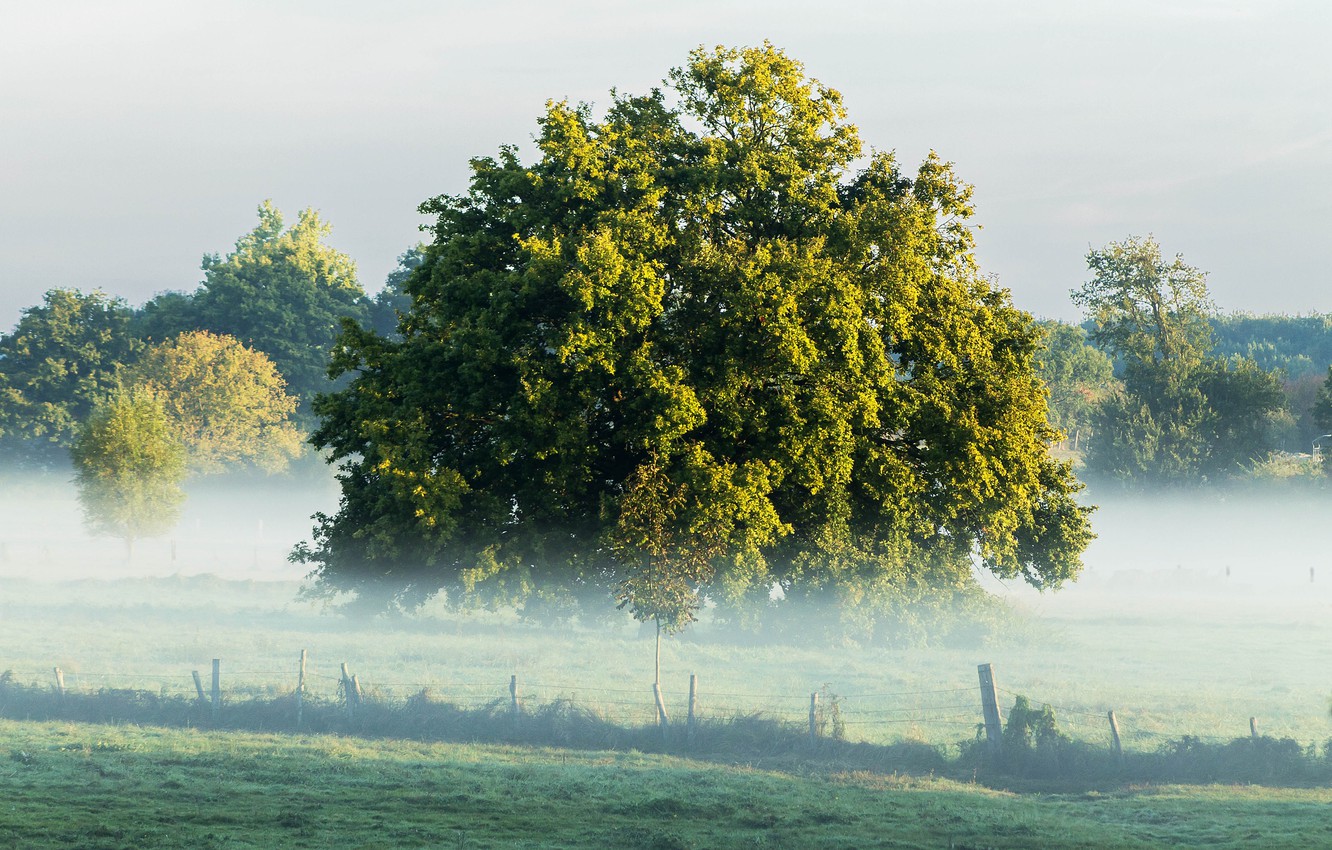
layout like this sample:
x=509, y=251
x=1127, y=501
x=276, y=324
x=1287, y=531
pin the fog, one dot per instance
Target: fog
x=243, y=528
x=1195, y=612
x=240, y=527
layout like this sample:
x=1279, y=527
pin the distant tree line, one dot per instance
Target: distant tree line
x=190, y=383
x=1156, y=387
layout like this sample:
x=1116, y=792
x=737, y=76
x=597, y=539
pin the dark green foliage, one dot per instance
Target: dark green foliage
x=280, y=291
x=1296, y=346
x=1322, y=418
x=701, y=320
x=392, y=302
x=1078, y=376
x=54, y=366
x=1183, y=416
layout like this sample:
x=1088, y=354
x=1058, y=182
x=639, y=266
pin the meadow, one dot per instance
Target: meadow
x=1186, y=639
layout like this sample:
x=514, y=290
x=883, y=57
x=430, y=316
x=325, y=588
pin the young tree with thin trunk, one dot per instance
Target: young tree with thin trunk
x=129, y=466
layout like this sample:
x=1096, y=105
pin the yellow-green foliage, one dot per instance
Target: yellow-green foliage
x=724, y=296
x=129, y=464
x=226, y=401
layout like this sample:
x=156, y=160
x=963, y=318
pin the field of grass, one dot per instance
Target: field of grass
x=1184, y=637
x=1167, y=668
x=128, y=787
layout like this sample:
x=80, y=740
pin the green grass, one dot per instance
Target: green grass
x=1174, y=654
x=69, y=785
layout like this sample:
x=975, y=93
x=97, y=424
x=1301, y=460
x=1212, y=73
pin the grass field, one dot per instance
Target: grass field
x=128, y=787
x=1190, y=636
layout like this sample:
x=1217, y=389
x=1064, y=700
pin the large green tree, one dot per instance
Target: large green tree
x=281, y=290
x=1183, y=415
x=54, y=365
x=697, y=311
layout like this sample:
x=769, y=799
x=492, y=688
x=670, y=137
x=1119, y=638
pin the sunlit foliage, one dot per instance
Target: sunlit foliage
x=281, y=291
x=714, y=311
x=226, y=402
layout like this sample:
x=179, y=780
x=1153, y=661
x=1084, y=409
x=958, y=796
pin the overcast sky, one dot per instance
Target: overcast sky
x=137, y=136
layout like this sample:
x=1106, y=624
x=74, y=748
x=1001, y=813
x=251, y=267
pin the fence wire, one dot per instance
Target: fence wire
x=894, y=711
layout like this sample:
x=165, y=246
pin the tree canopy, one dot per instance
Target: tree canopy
x=281, y=291
x=1183, y=415
x=55, y=364
x=697, y=311
x=225, y=401
x=129, y=466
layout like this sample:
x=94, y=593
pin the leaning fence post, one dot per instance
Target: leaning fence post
x=217, y=687
x=1253, y=727
x=663, y=719
x=1114, y=736
x=198, y=686
x=300, y=691
x=60, y=683
x=813, y=717
x=994, y=722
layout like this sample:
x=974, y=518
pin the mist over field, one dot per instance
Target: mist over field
x=1190, y=602
x=1170, y=555
x=243, y=528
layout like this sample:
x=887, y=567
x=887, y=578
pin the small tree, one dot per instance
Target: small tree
x=129, y=466
x=677, y=520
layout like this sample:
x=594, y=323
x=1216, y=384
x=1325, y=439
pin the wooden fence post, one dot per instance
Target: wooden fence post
x=348, y=692
x=300, y=691
x=663, y=719
x=813, y=717
x=217, y=687
x=198, y=686
x=693, y=705
x=514, y=708
x=1253, y=727
x=994, y=721
x=60, y=683
x=1114, y=736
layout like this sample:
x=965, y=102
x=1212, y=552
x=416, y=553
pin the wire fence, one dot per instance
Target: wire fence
x=944, y=713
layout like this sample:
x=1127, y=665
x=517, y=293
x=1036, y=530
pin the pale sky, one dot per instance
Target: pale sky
x=137, y=136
